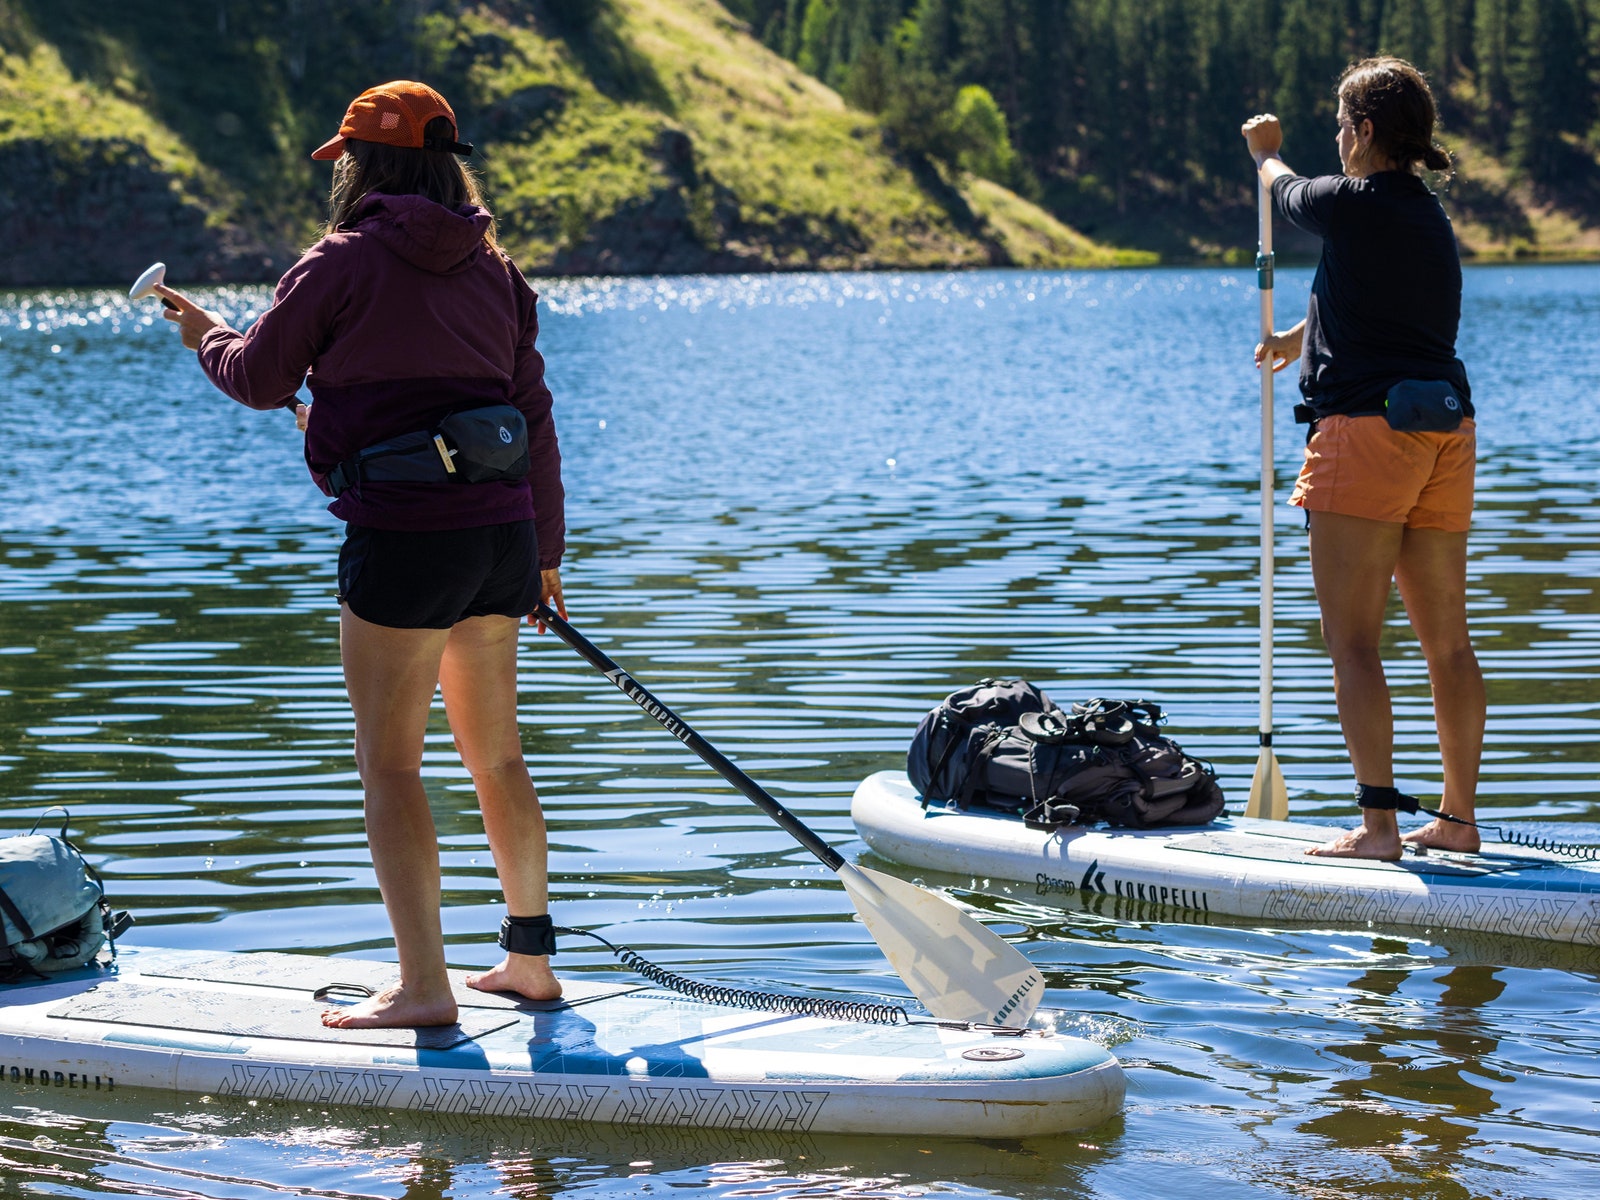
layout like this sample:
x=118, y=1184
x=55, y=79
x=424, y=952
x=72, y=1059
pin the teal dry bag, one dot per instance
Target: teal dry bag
x=53, y=911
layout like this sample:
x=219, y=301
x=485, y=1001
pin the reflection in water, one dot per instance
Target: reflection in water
x=802, y=510
x=206, y=1145
x=1412, y=1099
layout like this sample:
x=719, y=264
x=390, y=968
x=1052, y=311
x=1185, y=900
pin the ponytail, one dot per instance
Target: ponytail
x=1436, y=158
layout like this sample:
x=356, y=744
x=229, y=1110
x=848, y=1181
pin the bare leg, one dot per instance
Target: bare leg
x=391, y=675
x=1432, y=573
x=1352, y=566
x=479, y=677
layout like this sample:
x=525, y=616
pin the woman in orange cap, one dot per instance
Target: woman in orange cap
x=415, y=333
x=1388, y=477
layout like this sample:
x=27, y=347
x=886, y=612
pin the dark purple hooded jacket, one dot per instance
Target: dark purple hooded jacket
x=400, y=319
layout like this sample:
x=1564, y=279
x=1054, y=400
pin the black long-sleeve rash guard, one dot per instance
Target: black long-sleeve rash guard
x=1386, y=299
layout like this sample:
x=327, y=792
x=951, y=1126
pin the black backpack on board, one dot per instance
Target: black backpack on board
x=951, y=737
x=1004, y=744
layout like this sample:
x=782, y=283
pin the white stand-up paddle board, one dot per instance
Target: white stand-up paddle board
x=1241, y=867
x=246, y=1025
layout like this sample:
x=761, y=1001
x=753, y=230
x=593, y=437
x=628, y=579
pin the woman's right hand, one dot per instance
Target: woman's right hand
x=193, y=322
x=550, y=596
x=1284, y=347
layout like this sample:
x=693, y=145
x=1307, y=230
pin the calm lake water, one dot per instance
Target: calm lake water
x=801, y=510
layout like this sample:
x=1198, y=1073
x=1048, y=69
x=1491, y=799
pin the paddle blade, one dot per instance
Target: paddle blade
x=1269, y=799
x=957, y=968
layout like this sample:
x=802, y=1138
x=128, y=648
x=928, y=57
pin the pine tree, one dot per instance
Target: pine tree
x=794, y=17
x=1549, y=87
x=817, y=36
x=1308, y=61
x=1175, y=94
x=1407, y=32
x=1491, y=52
x=930, y=38
x=1051, y=103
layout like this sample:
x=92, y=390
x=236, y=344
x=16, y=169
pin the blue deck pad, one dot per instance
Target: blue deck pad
x=238, y=1014
x=659, y=1035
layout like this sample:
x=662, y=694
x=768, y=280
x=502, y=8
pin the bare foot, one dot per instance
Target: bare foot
x=393, y=1008
x=528, y=975
x=1445, y=835
x=1361, y=843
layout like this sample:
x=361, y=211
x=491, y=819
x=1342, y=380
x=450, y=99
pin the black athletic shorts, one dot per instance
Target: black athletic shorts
x=432, y=580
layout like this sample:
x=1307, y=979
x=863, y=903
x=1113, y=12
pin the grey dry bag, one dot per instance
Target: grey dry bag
x=53, y=911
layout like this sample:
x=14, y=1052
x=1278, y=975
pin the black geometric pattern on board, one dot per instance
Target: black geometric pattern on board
x=1554, y=918
x=700, y=1105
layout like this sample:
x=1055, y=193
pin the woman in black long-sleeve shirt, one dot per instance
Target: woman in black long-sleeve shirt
x=1387, y=499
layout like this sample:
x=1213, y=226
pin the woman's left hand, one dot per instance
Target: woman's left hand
x=193, y=322
x=1263, y=136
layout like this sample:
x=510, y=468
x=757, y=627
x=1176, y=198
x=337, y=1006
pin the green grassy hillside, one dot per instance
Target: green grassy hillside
x=616, y=136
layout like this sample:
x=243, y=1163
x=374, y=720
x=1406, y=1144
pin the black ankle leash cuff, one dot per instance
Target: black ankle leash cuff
x=1386, y=798
x=528, y=935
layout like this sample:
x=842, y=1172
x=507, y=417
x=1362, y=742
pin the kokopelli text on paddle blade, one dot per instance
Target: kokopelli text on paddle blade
x=1010, y=1005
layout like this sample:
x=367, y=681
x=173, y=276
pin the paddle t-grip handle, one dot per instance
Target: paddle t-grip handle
x=145, y=286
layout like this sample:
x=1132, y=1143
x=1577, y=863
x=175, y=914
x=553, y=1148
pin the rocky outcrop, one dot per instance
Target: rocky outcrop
x=694, y=224
x=98, y=212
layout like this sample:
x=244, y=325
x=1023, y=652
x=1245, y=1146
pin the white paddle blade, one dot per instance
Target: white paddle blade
x=957, y=968
x=145, y=285
x=1269, y=799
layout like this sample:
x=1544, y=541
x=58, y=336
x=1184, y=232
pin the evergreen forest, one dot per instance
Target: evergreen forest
x=1102, y=107
x=670, y=136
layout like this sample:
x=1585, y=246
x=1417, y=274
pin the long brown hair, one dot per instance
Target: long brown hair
x=367, y=167
x=1395, y=97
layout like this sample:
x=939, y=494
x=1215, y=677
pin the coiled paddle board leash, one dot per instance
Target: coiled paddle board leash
x=711, y=993
x=1530, y=841
x=1369, y=796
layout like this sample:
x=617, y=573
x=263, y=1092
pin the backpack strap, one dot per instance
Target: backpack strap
x=978, y=766
x=946, y=720
x=15, y=915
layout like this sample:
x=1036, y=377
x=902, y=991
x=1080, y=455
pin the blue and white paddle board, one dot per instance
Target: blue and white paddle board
x=246, y=1025
x=1238, y=866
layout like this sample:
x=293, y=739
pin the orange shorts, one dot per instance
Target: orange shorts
x=1359, y=467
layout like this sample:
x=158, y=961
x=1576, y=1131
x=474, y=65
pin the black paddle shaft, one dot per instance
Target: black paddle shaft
x=674, y=725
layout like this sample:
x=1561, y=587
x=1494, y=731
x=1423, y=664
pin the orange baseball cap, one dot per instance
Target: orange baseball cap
x=394, y=114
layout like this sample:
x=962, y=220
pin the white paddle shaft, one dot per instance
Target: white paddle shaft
x=1264, y=282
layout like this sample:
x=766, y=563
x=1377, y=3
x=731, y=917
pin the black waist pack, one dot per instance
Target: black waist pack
x=476, y=445
x=1007, y=746
x=1423, y=405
